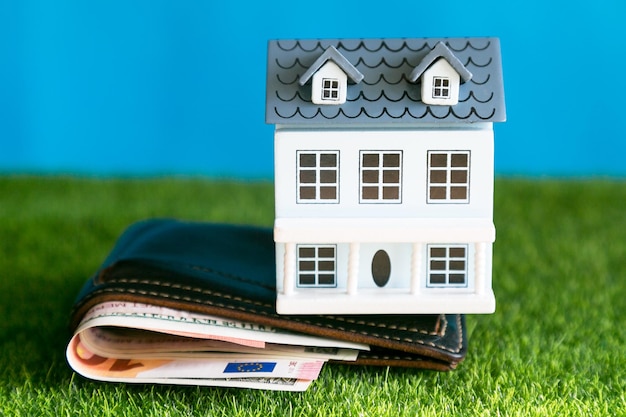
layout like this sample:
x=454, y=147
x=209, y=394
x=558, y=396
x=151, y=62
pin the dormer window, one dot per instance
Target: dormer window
x=441, y=74
x=330, y=74
x=330, y=89
x=329, y=85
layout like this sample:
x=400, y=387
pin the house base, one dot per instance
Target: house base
x=398, y=303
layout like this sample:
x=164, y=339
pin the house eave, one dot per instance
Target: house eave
x=414, y=230
x=385, y=126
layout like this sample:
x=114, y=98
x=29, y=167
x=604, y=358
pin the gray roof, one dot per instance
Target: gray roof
x=386, y=93
x=334, y=55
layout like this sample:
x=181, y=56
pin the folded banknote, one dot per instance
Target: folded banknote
x=140, y=343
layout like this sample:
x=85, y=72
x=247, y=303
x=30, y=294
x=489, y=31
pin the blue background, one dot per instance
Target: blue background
x=159, y=87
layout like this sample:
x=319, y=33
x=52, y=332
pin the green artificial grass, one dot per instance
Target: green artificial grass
x=555, y=346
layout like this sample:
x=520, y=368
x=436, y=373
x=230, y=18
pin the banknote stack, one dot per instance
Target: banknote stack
x=141, y=343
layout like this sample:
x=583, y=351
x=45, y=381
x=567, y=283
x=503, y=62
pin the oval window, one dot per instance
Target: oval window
x=381, y=268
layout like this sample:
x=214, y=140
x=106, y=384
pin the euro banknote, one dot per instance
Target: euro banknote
x=142, y=343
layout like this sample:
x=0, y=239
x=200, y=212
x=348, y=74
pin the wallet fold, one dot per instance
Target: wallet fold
x=229, y=271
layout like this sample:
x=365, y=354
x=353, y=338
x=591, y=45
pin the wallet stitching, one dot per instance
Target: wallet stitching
x=252, y=310
x=440, y=332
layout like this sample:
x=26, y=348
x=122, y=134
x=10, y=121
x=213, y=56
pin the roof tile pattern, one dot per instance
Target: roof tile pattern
x=385, y=95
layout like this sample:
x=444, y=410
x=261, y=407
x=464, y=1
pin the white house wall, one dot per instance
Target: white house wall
x=406, y=291
x=414, y=145
x=403, y=229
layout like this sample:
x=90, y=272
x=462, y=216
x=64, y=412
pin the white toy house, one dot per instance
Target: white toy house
x=384, y=160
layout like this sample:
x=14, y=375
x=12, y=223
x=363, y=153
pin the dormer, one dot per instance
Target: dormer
x=441, y=74
x=330, y=74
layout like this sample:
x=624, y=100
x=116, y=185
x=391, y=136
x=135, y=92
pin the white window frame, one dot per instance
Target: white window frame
x=319, y=183
x=450, y=261
x=441, y=91
x=319, y=261
x=334, y=87
x=382, y=173
x=448, y=178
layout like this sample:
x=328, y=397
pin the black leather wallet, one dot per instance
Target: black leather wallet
x=229, y=271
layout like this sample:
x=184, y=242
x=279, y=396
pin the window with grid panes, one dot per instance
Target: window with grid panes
x=330, y=89
x=447, y=265
x=318, y=176
x=381, y=177
x=441, y=87
x=316, y=265
x=448, y=176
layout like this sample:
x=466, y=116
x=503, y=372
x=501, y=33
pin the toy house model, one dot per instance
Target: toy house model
x=384, y=174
